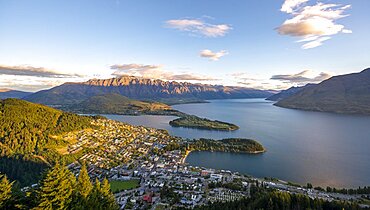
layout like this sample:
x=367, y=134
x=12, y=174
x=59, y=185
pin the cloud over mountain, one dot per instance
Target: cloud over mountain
x=155, y=72
x=303, y=77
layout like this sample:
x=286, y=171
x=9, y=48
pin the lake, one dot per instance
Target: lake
x=324, y=149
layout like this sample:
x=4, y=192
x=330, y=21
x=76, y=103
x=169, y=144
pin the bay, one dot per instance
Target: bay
x=324, y=149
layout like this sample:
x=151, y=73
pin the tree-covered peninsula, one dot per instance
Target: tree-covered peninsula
x=192, y=121
x=235, y=145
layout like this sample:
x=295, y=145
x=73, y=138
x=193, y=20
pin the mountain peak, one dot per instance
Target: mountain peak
x=341, y=94
x=367, y=70
x=126, y=80
x=142, y=89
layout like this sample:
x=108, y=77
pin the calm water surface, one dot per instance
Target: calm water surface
x=321, y=148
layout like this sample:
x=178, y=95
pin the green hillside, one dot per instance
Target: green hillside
x=26, y=128
x=113, y=103
x=27, y=136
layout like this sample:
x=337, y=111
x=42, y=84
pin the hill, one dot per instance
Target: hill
x=348, y=94
x=7, y=93
x=286, y=93
x=26, y=128
x=113, y=103
x=170, y=92
x=27, y=137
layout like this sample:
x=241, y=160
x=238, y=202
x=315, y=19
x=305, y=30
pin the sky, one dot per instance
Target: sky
x=264, y=44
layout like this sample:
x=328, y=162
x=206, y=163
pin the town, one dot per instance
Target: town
x=147, y=169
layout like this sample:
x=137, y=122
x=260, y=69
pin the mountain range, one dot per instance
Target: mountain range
x=169, y=92
x=287, y=93
x=348, y=94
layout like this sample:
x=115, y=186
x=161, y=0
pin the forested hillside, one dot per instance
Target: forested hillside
x=113, y=103
x=26, y=128
x=28, y=136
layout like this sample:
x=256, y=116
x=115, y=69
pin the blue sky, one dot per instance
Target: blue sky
x=234, y=42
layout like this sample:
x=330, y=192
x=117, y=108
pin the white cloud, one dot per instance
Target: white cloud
x=290, y=5
x=31, y=78
x=27, y=70
x=34, y=83
x=199, y=27
x=278, y=82
x=214, y=56
x=313, y=24
x=303, y=77
x=315, y=43
x=257, y=81
x=156, y=72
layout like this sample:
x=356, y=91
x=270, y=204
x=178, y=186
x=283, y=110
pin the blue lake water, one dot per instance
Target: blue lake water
x=322, y=148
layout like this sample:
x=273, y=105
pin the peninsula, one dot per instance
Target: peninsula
x=234, y=145
x=192, y=121
x=117, y=104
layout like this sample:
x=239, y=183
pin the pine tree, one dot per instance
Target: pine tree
x=82, y=190
x=108, y=197
x=56, y=188
x=5, y=191
x=84, y=185
x=101, y=197
x=94, y=199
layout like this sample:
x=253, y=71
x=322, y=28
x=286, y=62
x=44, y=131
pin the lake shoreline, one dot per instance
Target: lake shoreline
x=301, y=148
x=187, y=153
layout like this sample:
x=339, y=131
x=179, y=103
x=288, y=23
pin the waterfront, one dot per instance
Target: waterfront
x=321, y=148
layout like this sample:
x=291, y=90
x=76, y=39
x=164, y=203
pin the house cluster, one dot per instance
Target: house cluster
x=156, y=160
x=166, y=180
x=124, y=152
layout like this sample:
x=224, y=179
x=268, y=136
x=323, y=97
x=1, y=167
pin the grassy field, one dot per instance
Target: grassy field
x=117, y=186
x=160, y=207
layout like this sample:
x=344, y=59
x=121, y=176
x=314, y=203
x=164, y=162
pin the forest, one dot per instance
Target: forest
x=192, y=121
x=28, y=137
x=58, y=189
x=237, y=145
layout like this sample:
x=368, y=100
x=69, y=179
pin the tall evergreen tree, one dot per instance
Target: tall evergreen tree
x=101, y=197
x=5, y=191
x=108, y=197
x=95, y=197
x=84, y=185
x=82, y=190
x=56, y=188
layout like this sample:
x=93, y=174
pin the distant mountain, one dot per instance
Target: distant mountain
x=8, y=93
x=113, y=103
x=286, y=93
x=142, y=89
x=341, y=94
